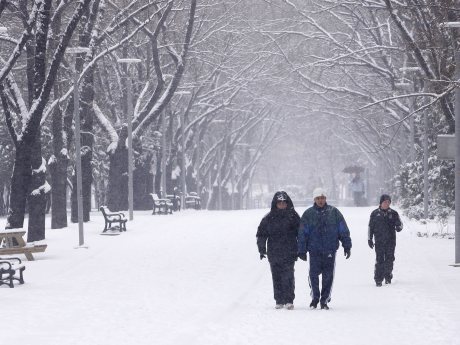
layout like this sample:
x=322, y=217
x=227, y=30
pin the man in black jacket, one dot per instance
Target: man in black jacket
x=383, y=224
x=277, y=238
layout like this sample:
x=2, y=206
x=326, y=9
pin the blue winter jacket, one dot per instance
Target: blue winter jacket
x=321, y=229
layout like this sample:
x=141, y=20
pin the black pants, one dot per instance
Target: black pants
x=283, y=281
x=321, y=264
x=384, y=258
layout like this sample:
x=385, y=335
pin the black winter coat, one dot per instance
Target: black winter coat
x=383, y=225
x=277, y=233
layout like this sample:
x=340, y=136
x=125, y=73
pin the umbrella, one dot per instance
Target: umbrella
x=353, y=169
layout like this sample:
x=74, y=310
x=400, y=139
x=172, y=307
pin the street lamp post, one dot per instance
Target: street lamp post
x=76, y=114
x=182, y=166
x=219, y=168
x=456, y=25
x=219, y=178
x=457, y=155
x=129, y=62
x=163, y=157
x=457, y=159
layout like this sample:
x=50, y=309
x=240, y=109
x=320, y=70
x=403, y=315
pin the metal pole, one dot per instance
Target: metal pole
x=425, y=168
x=76, y=115
x=219, y=178
x=130, y=145
x=163, y=155
x=233, y=185
x=129, y=62
x=182, y=168
x=457, y=159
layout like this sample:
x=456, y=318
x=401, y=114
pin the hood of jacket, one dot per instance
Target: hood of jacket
x=282, y=195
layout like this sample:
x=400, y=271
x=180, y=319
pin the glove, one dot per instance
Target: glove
x=347, y=253
x=371, y=244
x=262, y=256
x=398, y=228
x=303, y=256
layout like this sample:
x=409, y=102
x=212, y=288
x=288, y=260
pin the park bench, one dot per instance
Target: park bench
x=12, y=242
x=161, y=206
x=175, y=199
x=192, y=200
x=11, y=269
x=113, y=217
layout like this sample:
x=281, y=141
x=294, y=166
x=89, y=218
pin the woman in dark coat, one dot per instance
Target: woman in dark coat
x=277, y=239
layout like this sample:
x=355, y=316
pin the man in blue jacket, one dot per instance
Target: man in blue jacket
x=321, y=228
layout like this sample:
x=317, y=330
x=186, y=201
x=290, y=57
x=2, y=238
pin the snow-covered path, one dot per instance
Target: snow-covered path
x=196, y=278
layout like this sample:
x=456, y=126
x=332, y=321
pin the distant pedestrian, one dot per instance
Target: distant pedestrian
x=357, y=187
x=277, y=239
x=383, y=224
x=321, y=228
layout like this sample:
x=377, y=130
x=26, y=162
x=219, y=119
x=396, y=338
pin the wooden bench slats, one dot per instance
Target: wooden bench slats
x=20, y=250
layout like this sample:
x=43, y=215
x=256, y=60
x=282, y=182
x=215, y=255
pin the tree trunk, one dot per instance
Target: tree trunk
x=58, y=170
x=117, y=195
x=36, y=198
x=19, y=182
x=59, y=163
x=142, y=183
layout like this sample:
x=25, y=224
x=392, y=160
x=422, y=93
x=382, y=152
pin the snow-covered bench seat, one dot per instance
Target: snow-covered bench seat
x=161, y=206
x=192, y=200
x=113, y=217
x=11, y=269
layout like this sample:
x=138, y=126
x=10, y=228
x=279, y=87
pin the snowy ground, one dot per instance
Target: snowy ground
x=195, y=278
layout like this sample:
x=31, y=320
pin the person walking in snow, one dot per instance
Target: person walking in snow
x=383, y=225
x=357, y=187
x=321, y=228
x=277, y=240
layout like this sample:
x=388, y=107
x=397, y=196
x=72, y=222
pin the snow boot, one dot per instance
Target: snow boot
x=314, y=304
x=378, y=284
x=278, y=306
x=289, y=306
x=324, y=306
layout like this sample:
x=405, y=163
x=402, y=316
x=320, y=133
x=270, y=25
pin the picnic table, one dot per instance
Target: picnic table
x=12, y=242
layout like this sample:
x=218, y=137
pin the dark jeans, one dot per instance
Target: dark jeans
x=384, y=258
x=324, y=264
x=283, y=281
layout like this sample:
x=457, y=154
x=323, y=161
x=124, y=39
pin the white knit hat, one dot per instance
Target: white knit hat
x=319, y=192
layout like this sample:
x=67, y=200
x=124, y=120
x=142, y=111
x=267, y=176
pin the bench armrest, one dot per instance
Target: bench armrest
x=12, y=259
x=9, y=266
x=5, y=265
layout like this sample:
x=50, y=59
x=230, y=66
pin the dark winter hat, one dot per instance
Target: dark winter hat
x=281, y=196
x=384, y=197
